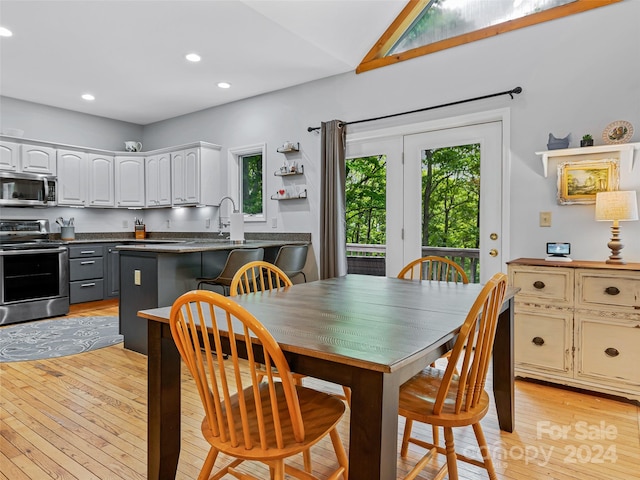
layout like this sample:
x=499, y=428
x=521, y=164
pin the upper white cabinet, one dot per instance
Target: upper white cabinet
x=158, y=180
x=185, y=175
x=195, y=176
x=72, y=178
x=37, y=159
x=101, y=180
x=9, y=156
x=16, y=157
x=129, y=181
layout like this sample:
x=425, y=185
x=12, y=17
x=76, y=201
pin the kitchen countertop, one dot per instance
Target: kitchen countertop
x=203, y=245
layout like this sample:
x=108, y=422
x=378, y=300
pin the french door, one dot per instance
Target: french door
x=404, y=154
x=488, y=137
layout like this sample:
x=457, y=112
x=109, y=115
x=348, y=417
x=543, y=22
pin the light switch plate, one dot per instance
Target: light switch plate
x=545, y=219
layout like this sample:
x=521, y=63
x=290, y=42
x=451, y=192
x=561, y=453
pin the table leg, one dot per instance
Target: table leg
x=503, y=369
x=373, y=448
x=163, y=403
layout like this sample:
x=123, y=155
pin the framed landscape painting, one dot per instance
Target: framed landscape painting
x=578, y=182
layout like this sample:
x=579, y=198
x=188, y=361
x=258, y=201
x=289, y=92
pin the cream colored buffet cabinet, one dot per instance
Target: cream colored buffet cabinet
x=578, y=324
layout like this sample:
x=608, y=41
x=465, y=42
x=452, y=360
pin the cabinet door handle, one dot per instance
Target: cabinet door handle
x=612, y=291
x=611, y=352
x=88, y=262
x=538, y=284
x=538, y=341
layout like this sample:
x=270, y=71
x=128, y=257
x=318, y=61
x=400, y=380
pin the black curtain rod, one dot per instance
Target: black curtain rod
x=511, y=93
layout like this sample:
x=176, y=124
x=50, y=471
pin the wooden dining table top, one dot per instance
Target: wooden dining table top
x=370, y=322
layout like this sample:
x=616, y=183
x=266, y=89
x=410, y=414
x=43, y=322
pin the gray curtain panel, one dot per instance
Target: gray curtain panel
x=333, y=246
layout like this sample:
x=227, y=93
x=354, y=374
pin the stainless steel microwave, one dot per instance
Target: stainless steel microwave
x=27, y=190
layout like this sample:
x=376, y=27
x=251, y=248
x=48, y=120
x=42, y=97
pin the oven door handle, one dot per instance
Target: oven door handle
x=33, y=251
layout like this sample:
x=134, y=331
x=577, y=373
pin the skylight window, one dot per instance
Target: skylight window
x=427, y=26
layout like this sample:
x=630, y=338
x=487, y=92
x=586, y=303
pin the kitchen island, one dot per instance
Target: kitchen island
x=155, y=274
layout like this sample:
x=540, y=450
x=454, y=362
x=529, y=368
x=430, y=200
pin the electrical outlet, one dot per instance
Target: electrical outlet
x=168, y=223
x=207, y=223
x=125, y=224
x=274, y=222
x=545, y=219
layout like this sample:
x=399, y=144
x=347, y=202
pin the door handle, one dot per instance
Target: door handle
x=493, y=252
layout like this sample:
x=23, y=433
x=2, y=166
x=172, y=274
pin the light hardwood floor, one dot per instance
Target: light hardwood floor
x=84, y=417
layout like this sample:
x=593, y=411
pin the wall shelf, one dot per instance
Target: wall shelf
x=625, y=153
x=293, y=147
x=286, y=196
x=299, y=171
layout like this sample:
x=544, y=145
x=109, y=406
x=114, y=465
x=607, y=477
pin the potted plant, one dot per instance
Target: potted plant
x=587, y=141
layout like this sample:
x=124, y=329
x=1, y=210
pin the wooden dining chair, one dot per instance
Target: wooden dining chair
x=247, y=419
x=440, y=269
x=261, y=276
x=434, y=268
x=449, y=400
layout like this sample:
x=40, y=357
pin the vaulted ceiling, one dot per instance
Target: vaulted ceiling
x=131, y=54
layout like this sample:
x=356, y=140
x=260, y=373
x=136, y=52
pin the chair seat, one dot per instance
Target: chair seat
x=320, y=413
x=418, y=396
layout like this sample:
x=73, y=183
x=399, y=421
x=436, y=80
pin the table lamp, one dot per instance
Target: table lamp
x=616, y=207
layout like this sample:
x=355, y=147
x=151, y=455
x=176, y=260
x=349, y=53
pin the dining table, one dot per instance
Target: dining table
x=369, y=333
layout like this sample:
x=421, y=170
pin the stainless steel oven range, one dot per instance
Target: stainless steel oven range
x=34, y=272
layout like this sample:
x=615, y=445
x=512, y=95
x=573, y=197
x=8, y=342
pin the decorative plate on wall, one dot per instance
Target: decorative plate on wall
x=620, y=131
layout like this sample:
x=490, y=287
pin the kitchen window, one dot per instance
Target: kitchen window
x=247, y=171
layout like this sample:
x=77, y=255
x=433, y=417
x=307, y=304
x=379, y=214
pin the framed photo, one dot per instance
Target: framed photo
x=578, y=182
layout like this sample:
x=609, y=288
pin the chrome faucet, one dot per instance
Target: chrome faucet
x=221, y=225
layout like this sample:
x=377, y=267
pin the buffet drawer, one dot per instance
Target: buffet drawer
x=543, y=285
x=598, y=289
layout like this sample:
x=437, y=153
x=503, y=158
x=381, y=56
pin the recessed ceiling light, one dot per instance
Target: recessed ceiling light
x=5, y=32
x=224, y=85
x=193, y=57
x=88, y=97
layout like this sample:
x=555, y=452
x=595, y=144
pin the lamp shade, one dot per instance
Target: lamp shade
x=612, y=206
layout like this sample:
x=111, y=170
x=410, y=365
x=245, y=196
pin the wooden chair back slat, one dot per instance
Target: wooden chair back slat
x=258, y=276
x=435, y=268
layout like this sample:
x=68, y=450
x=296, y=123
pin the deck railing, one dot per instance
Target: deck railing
x=370, y=259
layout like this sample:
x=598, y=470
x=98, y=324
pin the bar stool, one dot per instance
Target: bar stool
x=291, y=260
x=236, y=259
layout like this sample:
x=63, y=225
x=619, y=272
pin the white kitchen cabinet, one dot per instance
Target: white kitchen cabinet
x=9, y=156
x=72, y=178
x=101, y=180
x=195, y=176
x=129, y=181
x=38, y=159
x=578, y=324
x=27, y=158
x=158, y=180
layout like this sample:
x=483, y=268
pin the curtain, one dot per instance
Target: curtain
x=333, y=246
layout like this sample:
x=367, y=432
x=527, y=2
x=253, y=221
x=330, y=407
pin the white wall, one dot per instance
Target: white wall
x=578, y=74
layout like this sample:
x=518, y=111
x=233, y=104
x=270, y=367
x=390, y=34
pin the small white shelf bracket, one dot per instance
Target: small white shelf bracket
x=626, y=154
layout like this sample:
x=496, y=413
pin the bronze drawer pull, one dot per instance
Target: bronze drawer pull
x=611, y=352
x=538, y=284
x=612, y=291
x=538, y=341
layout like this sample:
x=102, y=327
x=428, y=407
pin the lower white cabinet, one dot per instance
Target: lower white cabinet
x=578, y=324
